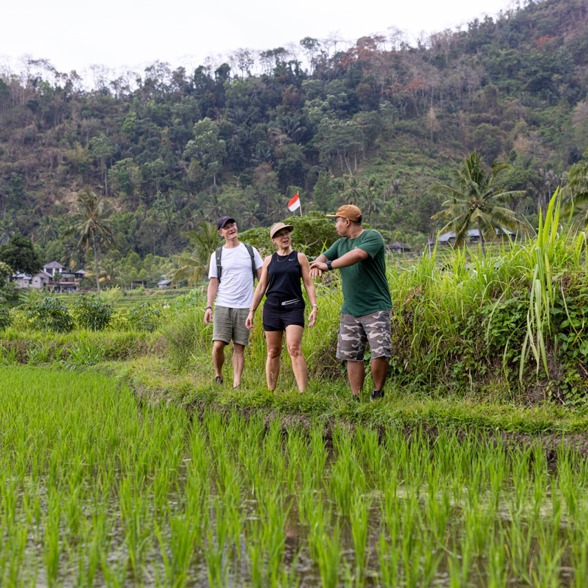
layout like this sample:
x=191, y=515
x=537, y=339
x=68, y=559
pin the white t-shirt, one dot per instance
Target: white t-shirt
x=236, y=286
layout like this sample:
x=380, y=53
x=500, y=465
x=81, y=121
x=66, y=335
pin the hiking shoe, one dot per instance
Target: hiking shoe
x=218, y=380
x=376, y=394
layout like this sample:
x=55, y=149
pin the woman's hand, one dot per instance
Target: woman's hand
x=249, y=319
x=313, y=316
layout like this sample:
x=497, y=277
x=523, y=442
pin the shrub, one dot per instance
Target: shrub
x=4, y=315
x=144, y=317
x=92, y=313
x=49, y=313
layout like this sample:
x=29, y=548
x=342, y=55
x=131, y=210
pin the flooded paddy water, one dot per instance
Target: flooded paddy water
x=96, y=490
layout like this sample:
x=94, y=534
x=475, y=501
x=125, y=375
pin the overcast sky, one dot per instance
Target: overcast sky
x=74, y=34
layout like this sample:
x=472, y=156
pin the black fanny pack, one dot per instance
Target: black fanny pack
x=288, y=304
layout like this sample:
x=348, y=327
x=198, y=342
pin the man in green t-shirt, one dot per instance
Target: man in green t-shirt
x=365, y=314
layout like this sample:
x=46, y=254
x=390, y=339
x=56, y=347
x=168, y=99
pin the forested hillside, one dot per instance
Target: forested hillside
x=376, y=124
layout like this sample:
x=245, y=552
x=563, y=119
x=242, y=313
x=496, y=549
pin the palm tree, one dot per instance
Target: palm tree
x=194, y=265
x=92, y=226
x=475, y=200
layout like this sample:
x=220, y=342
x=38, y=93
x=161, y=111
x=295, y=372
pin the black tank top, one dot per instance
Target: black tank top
x=284, y=274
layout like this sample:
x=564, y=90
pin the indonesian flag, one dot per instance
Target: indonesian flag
x=294, y=203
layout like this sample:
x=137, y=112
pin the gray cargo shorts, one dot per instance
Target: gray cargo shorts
x=229, y=325
x=355, y=332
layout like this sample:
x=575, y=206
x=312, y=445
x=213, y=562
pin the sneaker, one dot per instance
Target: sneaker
x=376, y=394
x=218, y=380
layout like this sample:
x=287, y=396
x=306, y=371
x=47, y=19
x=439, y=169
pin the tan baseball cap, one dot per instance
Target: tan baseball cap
x=348, y=211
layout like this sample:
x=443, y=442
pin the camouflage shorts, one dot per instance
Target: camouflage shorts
x=355, y=332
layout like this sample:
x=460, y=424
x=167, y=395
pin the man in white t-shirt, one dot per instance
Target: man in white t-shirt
x=233, y=294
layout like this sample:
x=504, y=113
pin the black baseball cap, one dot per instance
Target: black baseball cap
x=223, y=220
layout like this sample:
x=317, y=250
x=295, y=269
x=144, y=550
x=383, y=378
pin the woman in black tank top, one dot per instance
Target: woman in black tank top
x=282, y=276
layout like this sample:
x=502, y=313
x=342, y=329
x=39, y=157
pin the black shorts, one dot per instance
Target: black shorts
x=278, y=318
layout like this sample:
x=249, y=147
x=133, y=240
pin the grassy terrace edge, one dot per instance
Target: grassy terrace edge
x=330, y=404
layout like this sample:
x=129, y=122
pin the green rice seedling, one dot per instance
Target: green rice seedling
x=13, y=555
x=497, y=474
x=256, y=559
x=97, y=543
x=567, y=483
x=388, y=561
x=274, y=512
x=182, y=545
x=200, y=461
x=545, y=567
x=217, y=545
x=460, y=564
x=114, y=573
x=391, y=511
x=134, y=509
x=328, y=548
x=579, y=561
x=51, y=539
x=297, y=453
x=371, y=453
x=341, y=486
x=306, y=498
x=359, y=518
x=521, y=480
x=73, y=510
x=478, y=521
x=540, y=481
x=275, y=460
x=497, y=569
x=518, y=540
x=410, y=542
x=437, y=506
x=318, y=456
x=346, y=474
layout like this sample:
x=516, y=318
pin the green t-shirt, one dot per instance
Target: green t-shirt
x=365, y=286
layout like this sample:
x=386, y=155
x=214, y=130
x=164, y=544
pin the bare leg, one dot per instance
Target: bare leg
x=294, y=343
x=356, y=375
x=218, y=357
x=379, y=372
x=272, y=364
x=238, y=363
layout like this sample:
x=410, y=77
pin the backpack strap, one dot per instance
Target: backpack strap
x=219, y=267
x=252, y=255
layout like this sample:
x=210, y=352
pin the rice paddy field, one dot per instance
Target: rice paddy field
x=98, y=489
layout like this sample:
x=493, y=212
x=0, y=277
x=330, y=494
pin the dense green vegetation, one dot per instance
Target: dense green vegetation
x=508, y=323
x=376, y=123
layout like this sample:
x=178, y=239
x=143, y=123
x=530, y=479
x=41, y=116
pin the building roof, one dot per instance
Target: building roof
x=397, y=245
x=445, y=237
x=54, y=265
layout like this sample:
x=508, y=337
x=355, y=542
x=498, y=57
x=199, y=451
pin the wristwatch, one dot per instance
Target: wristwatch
x=329, y=265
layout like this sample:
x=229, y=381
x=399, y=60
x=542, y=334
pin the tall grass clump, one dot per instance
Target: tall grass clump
x=472, y=322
